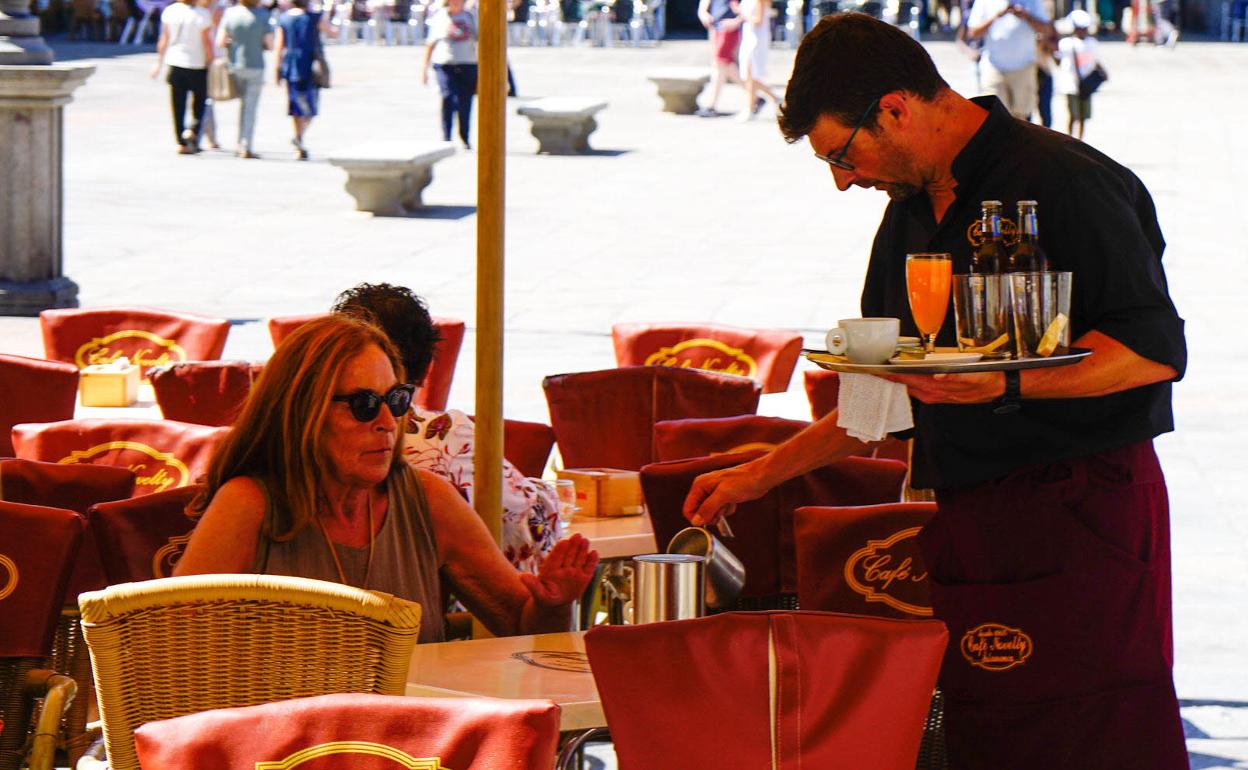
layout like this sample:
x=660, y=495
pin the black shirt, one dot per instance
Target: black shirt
x=1096, y=220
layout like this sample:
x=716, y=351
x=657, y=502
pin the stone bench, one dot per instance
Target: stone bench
x=562, y=125
x=388, y=177
x=679, y=87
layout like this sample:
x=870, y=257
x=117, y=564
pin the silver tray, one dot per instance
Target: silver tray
x=826, y=360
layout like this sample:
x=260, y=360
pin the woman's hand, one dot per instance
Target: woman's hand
x=564, y=573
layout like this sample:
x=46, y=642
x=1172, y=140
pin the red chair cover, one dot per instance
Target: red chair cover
x=147, y=336
x=34, y=390
x=764, y=527
x=823, y=390
x=361, y=732
x=527, y=445
x=606, y=418
x=436, y=388
x=38, y=546
x=74, y=487
x=703, y=437
x=765, y=355
x=863, y=559
x=162, y=453
x=142, y=538
x=204, y=392
x=850, y=692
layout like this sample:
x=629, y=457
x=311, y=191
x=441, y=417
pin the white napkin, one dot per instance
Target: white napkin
x=869, y=408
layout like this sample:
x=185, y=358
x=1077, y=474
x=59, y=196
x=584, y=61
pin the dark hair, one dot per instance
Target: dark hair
x=847, y=61
x=300, y=4
x=404, y=318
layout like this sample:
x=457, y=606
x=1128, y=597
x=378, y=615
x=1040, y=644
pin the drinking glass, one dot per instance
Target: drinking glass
x=565, y=492
x=1041, y=310
x=927, y=284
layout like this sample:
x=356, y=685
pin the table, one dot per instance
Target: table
x=616, y=537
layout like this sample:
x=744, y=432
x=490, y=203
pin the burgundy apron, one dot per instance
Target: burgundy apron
x=1054, y=583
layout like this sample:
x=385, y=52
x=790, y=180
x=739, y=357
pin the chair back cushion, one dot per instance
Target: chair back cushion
x=764, y=538
x=848, y=691
x=142, y=538
x=204, y=392
x=606, y=418
x=75, y=487
x=703, y=437
x=147, y=336
x=765, y=355
x=34, y=390
x=38, y=546
x=823, y=391
x=163, y=454
x=362, y=732
x=863, y=559
x=527, y=445
x=436, y=389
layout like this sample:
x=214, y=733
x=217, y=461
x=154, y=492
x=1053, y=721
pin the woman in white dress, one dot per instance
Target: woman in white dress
x=755, y=40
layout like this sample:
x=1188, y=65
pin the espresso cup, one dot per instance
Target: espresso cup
x=865, y=340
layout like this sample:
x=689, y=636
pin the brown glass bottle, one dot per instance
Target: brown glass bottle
x=1028, y=256
x=990, y=257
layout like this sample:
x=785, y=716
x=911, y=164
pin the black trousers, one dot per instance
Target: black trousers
x=458, y=83
x=182, y=82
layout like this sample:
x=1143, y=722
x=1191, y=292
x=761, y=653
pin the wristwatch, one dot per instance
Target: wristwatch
x=1011, y=400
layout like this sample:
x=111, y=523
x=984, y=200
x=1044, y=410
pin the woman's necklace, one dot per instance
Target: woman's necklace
x=368, y=570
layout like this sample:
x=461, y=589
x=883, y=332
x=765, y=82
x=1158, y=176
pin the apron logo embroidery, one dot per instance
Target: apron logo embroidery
x=11, y=577
x=738, y=363
x=171, y=472
x=889, y=577
x=400, y=758
x=994, y=647
x=157, y=352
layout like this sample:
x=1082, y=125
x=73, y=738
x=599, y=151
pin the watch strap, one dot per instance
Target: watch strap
x=1011, y=400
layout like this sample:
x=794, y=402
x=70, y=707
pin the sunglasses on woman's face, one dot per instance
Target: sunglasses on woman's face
x=365, y=405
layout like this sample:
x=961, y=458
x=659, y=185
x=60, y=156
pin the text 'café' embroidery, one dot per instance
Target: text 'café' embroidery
x=724, y=358
x=881, y=571
x=994, y=647
x=167, y=471
x=400, y=758
x=9, y=577
x=105, y=350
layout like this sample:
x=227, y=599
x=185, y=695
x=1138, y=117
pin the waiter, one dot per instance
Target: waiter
x=1049, y=556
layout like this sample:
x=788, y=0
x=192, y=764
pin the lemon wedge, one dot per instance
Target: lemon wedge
x=1052, y=335
x=970, y=347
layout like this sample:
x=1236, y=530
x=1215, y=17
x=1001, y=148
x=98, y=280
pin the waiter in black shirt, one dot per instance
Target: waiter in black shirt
x=1049, y=556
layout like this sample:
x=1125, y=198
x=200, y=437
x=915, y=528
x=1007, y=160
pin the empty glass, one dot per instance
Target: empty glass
x=1041, y=313
x=981, y=305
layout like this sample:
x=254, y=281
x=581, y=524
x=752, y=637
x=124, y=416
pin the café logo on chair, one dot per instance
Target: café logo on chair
x=143, y=348
x=166, y=557
x=368, y=748
x=9, y=577
x=885, y=571
x=152, y=468
x=995, y=647
x=711, y=355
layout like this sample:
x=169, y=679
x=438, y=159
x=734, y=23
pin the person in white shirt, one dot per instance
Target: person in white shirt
x=1076, y=56
x=452, y=50
x=755, y=41
x=186, y=46
x=1007, y=62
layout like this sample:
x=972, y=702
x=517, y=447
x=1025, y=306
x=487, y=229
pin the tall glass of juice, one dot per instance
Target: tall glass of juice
x=927, y=283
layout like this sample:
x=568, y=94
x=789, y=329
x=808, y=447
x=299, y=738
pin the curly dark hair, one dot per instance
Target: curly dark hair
x=846, y=62
x=404, y=318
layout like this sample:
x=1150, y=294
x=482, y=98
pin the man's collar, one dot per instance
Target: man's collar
x=970, y=161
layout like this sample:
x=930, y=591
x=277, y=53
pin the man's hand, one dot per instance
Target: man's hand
x=976, y=388
x=564, y=573
x=155, y=71
x=716, y=494
x=705, y=18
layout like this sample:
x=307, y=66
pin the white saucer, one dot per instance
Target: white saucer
x=938, y=358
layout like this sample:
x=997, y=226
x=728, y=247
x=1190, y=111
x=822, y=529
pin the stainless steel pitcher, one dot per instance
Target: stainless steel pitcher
x=667, y=586
x=725, y=574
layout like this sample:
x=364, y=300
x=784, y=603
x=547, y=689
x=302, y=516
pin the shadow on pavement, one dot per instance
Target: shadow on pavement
x=433, y=212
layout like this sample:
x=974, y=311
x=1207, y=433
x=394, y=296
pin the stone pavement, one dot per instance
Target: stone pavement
x=671, y=218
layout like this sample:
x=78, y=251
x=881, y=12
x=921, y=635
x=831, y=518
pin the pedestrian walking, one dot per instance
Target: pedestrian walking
x=755, y=42
x=1007, y=64
x=723, y=23
x=298, y=43
x=1076, y=56
x=210, y=11
x=1046, y=51
x=185, y=44
x=244, y=32
x=452, y=49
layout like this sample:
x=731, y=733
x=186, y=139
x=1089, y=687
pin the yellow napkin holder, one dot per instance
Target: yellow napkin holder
x=102, y=385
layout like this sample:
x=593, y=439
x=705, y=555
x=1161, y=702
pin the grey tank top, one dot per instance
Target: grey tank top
x=405, y=553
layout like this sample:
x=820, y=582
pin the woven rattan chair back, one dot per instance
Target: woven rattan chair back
x=174, y=646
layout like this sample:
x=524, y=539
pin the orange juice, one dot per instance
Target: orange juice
x=927, y=282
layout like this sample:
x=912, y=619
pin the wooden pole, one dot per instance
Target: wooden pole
x=492, y=88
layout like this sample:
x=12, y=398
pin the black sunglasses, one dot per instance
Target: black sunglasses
x=366, y=405
x=838, y=160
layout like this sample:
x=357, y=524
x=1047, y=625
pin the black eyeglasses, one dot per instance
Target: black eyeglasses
x=838, y=160
x=366, y=405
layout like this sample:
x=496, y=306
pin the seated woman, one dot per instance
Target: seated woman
x=311, y=482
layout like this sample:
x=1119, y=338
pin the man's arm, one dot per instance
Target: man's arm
x=704, y=13
x=1038, y=25
x=716, y=494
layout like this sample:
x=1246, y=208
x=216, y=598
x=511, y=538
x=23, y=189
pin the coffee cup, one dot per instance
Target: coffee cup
x=865, y=340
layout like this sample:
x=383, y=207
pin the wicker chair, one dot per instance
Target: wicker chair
x=175, y=646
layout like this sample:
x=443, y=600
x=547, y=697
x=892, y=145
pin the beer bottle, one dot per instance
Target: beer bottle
x=990, y=257
x=1028, y=256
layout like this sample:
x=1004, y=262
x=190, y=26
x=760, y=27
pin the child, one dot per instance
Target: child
x=1076, y=56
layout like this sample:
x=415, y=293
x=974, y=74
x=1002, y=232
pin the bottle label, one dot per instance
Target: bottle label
x=1009, y=232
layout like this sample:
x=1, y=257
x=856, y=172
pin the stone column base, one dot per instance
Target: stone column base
x=27, y=298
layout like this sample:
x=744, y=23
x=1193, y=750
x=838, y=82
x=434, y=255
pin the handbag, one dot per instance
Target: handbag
x=320, y=66
x=221, y=85
x=1092, y=81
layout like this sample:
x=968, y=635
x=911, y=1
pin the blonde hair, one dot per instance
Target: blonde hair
x=279, y=436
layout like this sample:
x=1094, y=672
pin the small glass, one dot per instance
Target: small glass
x=927, y=284
x=565, y=493
x=1041, y=309
x=982, y=308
